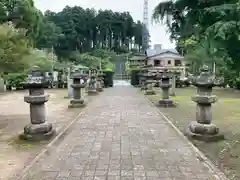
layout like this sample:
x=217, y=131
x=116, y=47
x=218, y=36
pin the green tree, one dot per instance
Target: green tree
x=13, y=48
x=84, y=30
x=23, y=14
x=212, y=23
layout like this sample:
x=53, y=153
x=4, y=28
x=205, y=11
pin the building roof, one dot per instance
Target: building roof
x=155, y=52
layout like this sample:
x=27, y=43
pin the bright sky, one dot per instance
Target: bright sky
x=135, y=7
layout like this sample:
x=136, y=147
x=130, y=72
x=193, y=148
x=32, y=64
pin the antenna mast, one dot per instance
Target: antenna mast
x=145, y=36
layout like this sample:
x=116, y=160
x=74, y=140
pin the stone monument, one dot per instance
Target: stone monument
x=92, y=83
x=165, y=86
x=140, y=80
x=102, y=78
x=79, y=82
x=69, y=83
x=99, y=84
x=173, y=82
x=143, y=78
x=149, y=82
x=202, y=128
x=39, y=128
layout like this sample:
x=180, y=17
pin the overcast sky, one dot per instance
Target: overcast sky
x=135, y=7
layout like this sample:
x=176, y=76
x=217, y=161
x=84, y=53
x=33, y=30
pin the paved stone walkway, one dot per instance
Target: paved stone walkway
x=121, y=136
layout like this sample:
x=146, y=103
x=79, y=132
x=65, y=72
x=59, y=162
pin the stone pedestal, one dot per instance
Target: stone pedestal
x=39, y=129
x=92, y=86
x=173, y=89
x=149, y=82
x=143, y=84
x=69, y=83
x=101, y=74
x=99, y=83
x=150, y=90
x=165, y=86
x=202, y=128
x=140, y=80
x=79, y=83
x=143, y=78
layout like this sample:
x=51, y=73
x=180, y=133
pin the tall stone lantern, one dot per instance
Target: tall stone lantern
x=165, y=86
x=99, y=83
x=39, y=128
x=202, y=128
x=79, y=83
x=143, y=77
x=149, y=81
x=101, y=76
x=140, y=79
x=92, y=88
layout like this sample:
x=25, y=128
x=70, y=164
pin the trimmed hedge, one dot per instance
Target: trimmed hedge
x=108, y=78
x=16, y=80
x=135, y=77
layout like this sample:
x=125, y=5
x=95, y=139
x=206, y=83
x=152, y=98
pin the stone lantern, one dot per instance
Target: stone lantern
x=99, y=83
x=92, y=89
x=143, y=77
x=202, y=128
x=140, y=79
x=101, y=74
x=165, y=86
x=158, y=77
x=79, y=82
x=39, y=129
x=149, y=82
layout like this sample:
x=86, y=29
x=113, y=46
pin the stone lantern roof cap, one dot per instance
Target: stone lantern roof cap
x=79, y=75
x=205, y=79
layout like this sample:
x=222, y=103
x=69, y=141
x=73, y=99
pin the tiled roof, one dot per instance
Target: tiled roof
x=154, y=52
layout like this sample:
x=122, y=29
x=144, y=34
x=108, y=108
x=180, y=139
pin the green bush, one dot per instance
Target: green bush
x=237, y=83
x=16, y=80
x=135, y=77
x=108, y=78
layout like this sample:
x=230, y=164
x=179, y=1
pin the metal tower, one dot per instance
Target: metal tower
x=145, y=37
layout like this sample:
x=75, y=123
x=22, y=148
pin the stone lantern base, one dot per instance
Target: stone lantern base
x=166, y=103
x=203, y=132
x=77, y=103
x=100, y=89
x=172, y=94
x=143, y=88
x=150, y=92
x=92, y=92
x=38, y=132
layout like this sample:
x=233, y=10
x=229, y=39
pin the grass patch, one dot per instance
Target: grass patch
x=16, y=142
x=226, y=115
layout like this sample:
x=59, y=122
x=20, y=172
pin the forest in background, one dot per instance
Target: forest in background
x=74, y=35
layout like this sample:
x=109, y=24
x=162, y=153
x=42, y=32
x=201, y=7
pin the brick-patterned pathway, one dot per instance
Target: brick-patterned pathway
x=121, y=136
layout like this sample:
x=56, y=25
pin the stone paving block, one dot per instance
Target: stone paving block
x=47, y=175
x=100, y=177
x=127, y=178
x=164, y=173
x=113, y=177
x=101, y=173
x=113, y=172
x=87, y=178
x=74, y=178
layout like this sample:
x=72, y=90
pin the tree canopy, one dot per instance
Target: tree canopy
x=87, y=29
x=74, y=34
x=204, y=31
